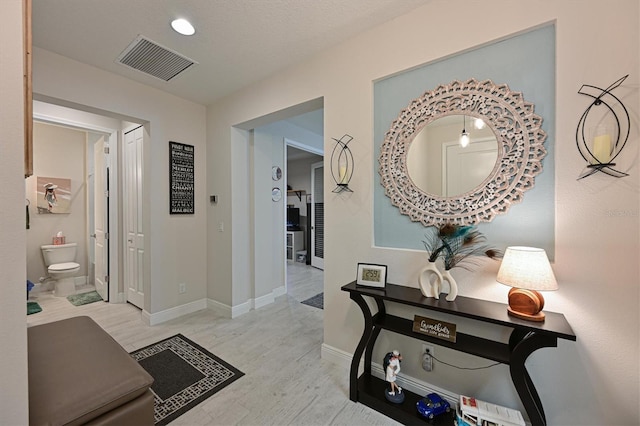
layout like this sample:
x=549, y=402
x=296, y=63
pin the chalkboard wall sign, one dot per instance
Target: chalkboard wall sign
x=181, y=178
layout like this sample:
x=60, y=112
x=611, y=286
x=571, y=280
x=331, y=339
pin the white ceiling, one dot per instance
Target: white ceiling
x=237, y=42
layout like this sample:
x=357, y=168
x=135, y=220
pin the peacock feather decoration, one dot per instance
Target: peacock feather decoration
x=458, y=245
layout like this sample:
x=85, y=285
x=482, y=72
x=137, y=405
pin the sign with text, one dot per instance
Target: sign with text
x=181, y=178
x=434, y=328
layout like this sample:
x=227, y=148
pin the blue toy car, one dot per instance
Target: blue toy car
x=432, y=405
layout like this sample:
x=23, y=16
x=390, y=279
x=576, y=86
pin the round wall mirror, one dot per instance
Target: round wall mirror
x=438, y=164
x=511, y=150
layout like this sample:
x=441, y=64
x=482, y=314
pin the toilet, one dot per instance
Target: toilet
x=60, y=261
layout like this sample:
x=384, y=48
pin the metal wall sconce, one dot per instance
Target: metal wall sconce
x=342, y=164
x=604, y=142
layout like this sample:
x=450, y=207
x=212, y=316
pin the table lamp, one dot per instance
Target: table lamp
x=527, y=270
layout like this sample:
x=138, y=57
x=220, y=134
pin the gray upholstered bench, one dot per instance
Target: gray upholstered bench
x=78, y=374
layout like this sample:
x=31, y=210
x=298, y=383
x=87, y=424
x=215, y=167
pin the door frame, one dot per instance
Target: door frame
x=114, y=141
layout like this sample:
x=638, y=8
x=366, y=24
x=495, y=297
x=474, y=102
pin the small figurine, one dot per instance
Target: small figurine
x=391, y=367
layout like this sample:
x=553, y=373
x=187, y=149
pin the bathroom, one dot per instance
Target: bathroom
x=63, y=153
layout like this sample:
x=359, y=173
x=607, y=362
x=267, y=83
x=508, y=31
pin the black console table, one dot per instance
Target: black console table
x=525, y=338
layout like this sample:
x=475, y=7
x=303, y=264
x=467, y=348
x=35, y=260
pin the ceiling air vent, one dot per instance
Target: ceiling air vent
x=151, y=58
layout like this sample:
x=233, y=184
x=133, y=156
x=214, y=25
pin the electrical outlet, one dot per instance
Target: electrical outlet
x=427, y=357
x=182, y=288
x=427, y=347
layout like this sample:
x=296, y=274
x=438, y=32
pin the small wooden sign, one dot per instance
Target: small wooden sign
x=434, y=328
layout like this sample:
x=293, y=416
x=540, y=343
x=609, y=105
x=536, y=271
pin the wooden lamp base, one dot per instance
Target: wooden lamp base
x=526, y=304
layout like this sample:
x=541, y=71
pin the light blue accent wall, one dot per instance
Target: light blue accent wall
x=526, y=63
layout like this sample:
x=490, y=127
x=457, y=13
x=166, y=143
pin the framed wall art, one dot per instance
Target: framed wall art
x=53, y=195
x=181, y=178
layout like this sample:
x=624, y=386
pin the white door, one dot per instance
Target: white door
x=465, y=168
x=133, y=262
x=101, y=217
x=317, y=215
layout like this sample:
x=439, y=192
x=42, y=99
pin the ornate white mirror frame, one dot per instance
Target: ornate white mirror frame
x=520, y=152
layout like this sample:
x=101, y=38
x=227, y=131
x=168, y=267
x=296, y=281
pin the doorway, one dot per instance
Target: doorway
x=103, y=179
x=299, y=278
x=261, y=195
x=299, y=176
x=96, y=255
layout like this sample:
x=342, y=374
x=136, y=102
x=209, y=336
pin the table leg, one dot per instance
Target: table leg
x=523, y=345
x=357, y=355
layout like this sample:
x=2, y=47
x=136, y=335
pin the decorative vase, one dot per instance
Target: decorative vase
x=453, y=286
x=430, y=280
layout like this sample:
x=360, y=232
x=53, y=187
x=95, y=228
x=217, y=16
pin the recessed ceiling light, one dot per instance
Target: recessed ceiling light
x=183, y=26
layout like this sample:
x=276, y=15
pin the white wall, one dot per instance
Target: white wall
x=267, y=259
x=590, y=382
x=13, y=323
x=175, y=244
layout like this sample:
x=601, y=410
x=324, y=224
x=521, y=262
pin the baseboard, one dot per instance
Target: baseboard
x=416, y=386
x=241, y=309
x=42, y=287
x=228, y=311
x=220, y=308
x=279, y=291
x=261, y=301
x=412, y=384
x=175, y=312
x=336, y=356
x=146, y=317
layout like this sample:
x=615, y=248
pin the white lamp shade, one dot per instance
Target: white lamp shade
x=527, y=268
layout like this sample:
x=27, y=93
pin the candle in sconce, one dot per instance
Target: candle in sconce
x=343, y=174
x=602, y=149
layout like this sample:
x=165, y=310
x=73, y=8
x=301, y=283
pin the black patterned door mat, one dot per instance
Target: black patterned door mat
x=316, y=301
x=184, y=373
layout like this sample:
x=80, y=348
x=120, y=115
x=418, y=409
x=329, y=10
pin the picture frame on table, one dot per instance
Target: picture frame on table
x=371, y=275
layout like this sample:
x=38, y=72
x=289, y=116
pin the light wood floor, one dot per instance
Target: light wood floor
x=277, y=347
